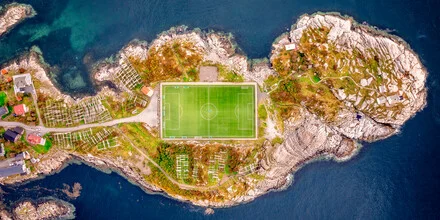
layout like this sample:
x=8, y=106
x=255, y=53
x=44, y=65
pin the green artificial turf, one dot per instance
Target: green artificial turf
x=208, y=111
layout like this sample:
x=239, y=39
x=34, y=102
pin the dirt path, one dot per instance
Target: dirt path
x=174, y=181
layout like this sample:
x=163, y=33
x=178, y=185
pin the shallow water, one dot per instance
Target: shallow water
x=394, y=178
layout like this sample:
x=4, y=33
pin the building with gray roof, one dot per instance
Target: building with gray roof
x=23, y=84
x=3, y=111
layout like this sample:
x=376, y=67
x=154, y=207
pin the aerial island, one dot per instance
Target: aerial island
x=190, y=116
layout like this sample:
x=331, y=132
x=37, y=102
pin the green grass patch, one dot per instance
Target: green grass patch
x=228, y=75
x=277, y=140
x=42, y=149
x=316, y=79
x=262, y=113
x=3, y=98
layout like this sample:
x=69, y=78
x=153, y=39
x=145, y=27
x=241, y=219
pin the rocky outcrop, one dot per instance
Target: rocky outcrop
x=106, y=69
x=33, y=62
x=119, y=165
x=309, y=138
x=49, y=163
x=44, y=209
x=306, y=138
x=407, y=67
x=13, y=14
x=405, y=82
x=216, y=48
x=219, y=48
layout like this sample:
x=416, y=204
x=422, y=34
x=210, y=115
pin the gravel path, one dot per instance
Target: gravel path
x=149, y=116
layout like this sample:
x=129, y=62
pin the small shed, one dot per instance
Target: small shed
x=290, y=47
x=18, y=130
x=381, y=100
x=3, y=111
x=148, y=91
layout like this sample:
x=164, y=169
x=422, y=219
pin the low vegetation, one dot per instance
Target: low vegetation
x=227, y=75
x=311, y=75
x=174, y=60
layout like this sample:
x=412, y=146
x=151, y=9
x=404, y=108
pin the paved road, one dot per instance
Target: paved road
x=149, y=116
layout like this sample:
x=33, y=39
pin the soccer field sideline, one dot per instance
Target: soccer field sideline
x=208, y=111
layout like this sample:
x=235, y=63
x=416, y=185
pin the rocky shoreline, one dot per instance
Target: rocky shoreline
x=13, y=14
x=44, y=208
x=307, y=137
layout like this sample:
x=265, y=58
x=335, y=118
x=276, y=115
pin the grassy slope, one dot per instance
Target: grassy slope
x=42, y=149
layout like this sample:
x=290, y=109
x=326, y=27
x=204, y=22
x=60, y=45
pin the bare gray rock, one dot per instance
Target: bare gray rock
x=13, y=14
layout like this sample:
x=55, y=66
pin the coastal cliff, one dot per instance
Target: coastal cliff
x=13, y=14
x=343, y=84
x=47, y=208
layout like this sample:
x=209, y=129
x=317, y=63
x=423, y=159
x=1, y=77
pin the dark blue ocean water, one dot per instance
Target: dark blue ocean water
x=395, y=178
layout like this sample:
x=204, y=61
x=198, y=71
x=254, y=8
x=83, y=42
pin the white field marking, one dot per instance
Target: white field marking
x=178, y=112
x=240, y=127
x=249, y=119
x=236, y=112
x=209, y=123
x=161, y=128
x=207, y=107
x=167, y=108
x=209, y=83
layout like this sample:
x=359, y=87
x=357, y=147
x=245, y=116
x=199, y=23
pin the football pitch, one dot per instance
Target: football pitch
x=208, y=111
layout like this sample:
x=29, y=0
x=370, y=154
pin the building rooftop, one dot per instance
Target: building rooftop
x=19, y=168
x=3, y=110
x=23, y=83
x=35, y=139
x=17, y=159
x=18, y=130
x=147, y=91
x=290, y=46
x=20, y=109
x=10, y=135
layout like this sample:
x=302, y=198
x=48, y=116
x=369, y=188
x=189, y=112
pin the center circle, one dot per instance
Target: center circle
x=208, y=111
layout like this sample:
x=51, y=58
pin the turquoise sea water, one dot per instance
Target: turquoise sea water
x=395, y=178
